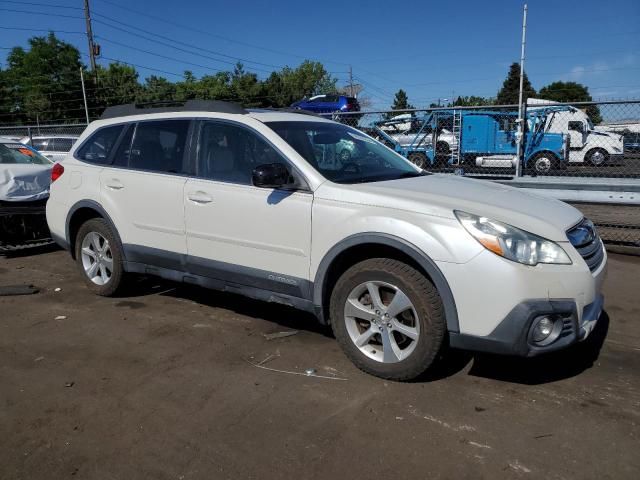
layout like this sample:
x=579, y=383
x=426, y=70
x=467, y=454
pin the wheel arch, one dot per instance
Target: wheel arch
x=80, y=213
x=361, y=246
x=544, y=151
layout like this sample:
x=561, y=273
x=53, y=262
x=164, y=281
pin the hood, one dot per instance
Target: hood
x=24, y=182
x=440, y=194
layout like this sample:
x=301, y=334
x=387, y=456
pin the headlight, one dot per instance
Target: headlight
x=511, y=242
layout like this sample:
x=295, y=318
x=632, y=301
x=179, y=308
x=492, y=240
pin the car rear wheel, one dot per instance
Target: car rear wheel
x=543, y=163
x=388, y=318
x=99, y=257
x=418, y=159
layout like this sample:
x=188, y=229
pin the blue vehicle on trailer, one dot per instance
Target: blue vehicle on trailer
x=480, y=138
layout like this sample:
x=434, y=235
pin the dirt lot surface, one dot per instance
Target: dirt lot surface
x=158, y=385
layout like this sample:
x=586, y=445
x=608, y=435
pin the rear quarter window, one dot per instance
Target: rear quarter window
x=98, y=147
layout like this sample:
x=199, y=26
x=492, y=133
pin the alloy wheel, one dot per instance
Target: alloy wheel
x=97, y=258
x=381, y=321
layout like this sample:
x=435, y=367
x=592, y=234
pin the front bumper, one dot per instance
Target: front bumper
x=22, y=225
x=512, y=336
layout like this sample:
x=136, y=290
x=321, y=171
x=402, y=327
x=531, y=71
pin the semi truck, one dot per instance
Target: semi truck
x=589, y=144
x=480, y=138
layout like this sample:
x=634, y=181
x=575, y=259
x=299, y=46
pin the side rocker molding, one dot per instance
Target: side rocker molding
x=429, y=266
x=93, y=205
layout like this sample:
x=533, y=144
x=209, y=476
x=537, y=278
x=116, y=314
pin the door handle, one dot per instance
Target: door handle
x=199, y=197
x=114, y=184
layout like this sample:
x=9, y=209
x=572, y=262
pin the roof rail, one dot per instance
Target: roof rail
x=295, y=110
x=172, y=106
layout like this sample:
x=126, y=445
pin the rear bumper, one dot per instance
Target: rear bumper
x=513, y=335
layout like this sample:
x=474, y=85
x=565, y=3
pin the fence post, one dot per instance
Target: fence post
x=30, y=133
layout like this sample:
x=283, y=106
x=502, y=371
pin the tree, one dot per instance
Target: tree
x=568, y=92
x=116, y=84
x=401, y=101
x=156, y=89
x=471, y=101
x=509, y=93
x=288, y=85
x=44, y=81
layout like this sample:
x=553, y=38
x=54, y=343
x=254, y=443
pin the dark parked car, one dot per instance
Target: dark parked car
x=632, y=143
x=328, y=104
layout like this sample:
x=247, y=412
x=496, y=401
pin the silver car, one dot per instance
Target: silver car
x=54, y=147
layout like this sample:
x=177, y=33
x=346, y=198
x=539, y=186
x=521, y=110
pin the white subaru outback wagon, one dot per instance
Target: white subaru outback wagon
x=399, y=262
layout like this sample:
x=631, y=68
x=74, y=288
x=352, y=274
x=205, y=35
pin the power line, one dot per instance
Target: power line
x=192, y=29
x=40, y=13
x=166, y=57
x=43, y=5
x=173, y=40
x=40, y=30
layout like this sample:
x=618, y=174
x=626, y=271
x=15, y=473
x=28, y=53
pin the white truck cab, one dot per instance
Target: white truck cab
x=587, y=143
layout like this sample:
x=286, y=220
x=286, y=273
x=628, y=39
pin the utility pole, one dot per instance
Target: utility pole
x=84, y=96
x=520, y=106
x=350, y=81
x=92, y=49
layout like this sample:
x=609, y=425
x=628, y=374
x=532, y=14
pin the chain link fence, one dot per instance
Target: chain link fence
x=589, y=145
x=583, y=147
x=586, y=139
x=22, y=132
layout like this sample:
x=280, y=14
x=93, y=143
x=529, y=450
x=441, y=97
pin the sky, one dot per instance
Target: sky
x=432, y=49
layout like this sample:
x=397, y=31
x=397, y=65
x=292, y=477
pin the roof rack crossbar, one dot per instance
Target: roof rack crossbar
x=172, y=106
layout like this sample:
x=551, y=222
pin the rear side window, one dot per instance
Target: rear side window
x=61, y=144
x=40, y=144
x=159, y=146
x=99, y=146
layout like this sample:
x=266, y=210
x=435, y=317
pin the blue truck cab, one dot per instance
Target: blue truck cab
x=479, y=138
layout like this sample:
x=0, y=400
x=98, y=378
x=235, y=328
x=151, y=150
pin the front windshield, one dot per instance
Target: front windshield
x=589, y=123
x=19, y=153
x=343, y=154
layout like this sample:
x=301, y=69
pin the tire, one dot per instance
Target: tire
x=96, y=236
x=543, y=163
x=597, y=157
x=385, y=351
x=419, y=159
x=442, y=148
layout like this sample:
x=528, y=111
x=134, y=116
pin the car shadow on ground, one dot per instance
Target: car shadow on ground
x=282, y=315
x=30, y=251
x=547, y=368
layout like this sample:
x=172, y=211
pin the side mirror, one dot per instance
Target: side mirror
x=271, y=175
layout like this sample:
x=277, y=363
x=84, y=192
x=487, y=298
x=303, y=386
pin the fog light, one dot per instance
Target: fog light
x=542, y=329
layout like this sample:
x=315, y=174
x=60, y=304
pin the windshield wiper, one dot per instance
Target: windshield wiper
x=421, y=173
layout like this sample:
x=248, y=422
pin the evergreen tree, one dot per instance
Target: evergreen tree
x=509, y=93
x=401, y=101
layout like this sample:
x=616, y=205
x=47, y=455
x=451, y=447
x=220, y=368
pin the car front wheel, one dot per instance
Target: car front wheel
x=388, y=318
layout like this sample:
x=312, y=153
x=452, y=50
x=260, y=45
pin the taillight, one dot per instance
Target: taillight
x=56, y=172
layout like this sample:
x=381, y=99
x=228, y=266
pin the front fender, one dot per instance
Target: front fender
x=427, y=264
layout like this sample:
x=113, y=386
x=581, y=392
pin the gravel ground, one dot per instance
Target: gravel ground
x=160, y=385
